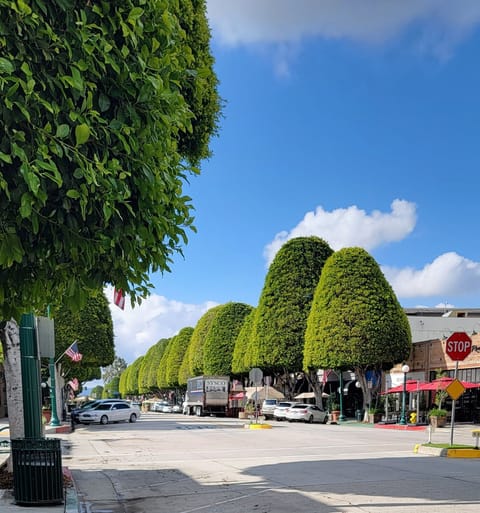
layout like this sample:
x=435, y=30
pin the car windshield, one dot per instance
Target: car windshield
x=284, y=405
x=270, y=401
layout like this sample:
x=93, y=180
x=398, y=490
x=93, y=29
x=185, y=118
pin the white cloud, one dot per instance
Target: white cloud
x=245, y=22
x=347, y=227
x=448, y=275
x=136, y=330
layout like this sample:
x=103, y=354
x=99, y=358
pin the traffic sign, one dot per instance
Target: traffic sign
x=256, y=376
x=459, y=346
x=455, y=389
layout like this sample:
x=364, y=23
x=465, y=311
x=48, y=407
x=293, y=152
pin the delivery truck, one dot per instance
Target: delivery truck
x=207, y=395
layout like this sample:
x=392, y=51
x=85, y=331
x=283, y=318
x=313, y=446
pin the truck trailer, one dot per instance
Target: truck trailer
x=207, y=395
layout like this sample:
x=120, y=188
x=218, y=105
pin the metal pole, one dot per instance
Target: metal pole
x=341, y=417
x=53, y=393
x=403, y=420
x=452, y=422
x=32, y=397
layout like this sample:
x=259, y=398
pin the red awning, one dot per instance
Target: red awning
x=237, y=395
x=412, y=386
x=442, y=384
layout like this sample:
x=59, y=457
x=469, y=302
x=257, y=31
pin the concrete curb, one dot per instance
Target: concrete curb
x=446, y=453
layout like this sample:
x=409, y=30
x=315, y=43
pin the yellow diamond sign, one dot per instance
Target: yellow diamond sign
x=455, y=389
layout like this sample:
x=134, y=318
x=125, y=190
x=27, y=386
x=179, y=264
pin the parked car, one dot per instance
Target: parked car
x=110, y=411
x=177, y=408
x=159, y=406
x=281, y=408
x=75, y=413
x=268, y=407
x=306, y=413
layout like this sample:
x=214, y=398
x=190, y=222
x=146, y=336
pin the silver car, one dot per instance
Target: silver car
x=306, y=413
x=106, y=412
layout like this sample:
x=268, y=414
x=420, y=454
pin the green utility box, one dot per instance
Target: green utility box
x=37, y=471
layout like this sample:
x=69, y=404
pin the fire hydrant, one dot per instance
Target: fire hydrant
x=413, y=418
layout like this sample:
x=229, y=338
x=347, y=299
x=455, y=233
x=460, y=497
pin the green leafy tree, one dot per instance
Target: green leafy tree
x=106, y=109
x=92, y=328
x=220, y=339
x=132, y=378
x=162, y=382
x=111, y=389
x=179, y=346
x=242, y=352
x=160, y=347
x=284, y=305
x=200, y=332
x=356, y=321
x=122, y=382
x=97, y=392
x=114, y=370
x=143, y=372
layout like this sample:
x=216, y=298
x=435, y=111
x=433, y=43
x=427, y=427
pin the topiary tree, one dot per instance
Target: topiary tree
x=144, y=371
x=176, y=353
x=197, y=342
x=131, y=384
x=92, y=328
x=356, y=321
x=284, y=305
x=162, y=382
x=242, y=357
x=111, y=389
x=220, y=339
x=107, y=108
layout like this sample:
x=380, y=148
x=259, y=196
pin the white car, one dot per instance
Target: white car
x=106, y=412
x=306, y=413
x=281, y=408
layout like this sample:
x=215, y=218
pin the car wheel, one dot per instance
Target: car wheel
x=325, y=420
x=133, y=418
x=310, y=419
x=104, y=420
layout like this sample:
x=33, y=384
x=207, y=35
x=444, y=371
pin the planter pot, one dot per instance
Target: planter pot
x=373, y=418
x=242, y=415
x=334, y=415
x=438, y=421
x=46, y=416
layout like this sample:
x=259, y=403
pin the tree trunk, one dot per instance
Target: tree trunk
x=10, y=338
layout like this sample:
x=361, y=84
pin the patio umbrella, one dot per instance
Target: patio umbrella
x=442, y=384
x=412, y=386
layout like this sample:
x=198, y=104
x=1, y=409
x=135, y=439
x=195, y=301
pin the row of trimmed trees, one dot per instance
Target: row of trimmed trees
x=318, y=309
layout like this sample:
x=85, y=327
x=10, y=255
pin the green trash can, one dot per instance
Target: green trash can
x=37, y=471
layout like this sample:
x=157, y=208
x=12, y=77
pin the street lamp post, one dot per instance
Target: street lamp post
x=403, y=419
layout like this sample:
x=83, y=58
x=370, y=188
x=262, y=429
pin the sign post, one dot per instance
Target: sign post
x=459, y=346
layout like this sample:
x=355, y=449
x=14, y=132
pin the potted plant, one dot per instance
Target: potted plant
x=333, y=408
x=374, y=414
x=438, y=417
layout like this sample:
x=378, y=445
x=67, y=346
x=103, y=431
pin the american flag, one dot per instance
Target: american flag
x=73, y=353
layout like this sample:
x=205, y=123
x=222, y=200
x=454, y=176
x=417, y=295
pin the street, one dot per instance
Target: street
x=169, y=463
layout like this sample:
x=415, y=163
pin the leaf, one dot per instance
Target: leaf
x=72, y=193
x=6, y=67
x=134, y=14
x=82, y=134
x=62, y=131
x=104, y=102
x=5, y=157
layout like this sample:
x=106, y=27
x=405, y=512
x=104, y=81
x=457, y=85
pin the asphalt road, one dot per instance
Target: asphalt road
x=169, y=463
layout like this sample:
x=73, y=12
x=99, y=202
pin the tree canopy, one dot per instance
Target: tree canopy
x=179, y=346
x=92, y=328
x=220, y=339
x=356, y=321
x=242, y=352
x=106, y=108
x=284, y=304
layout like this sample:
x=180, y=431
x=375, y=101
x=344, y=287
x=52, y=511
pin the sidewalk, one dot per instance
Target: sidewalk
x=7, y=503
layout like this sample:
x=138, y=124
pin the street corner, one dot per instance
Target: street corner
x=445, y=452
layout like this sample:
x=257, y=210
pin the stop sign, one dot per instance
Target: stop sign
x=459, y=346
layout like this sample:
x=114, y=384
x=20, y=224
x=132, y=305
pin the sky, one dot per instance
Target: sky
x=354, y=120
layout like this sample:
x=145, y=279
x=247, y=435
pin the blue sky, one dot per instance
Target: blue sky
x=356, y=121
